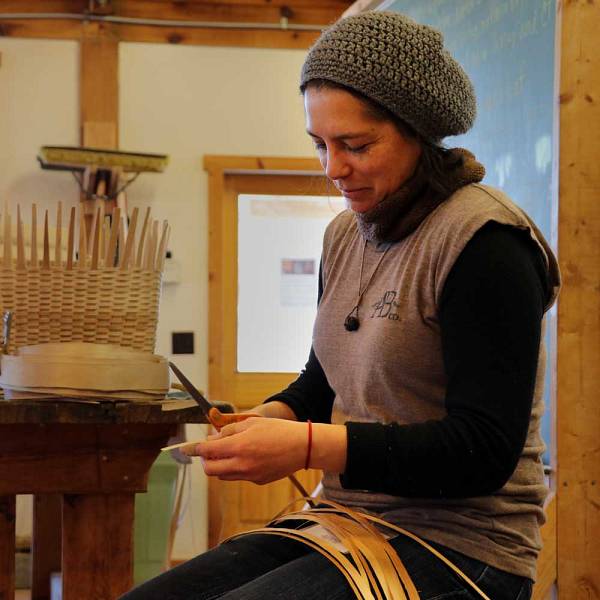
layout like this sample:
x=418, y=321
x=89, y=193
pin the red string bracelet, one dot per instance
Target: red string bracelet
x=309, y=449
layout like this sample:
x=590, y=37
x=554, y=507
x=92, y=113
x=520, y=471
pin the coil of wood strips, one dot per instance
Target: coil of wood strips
x=83, y=370
x=368, y=561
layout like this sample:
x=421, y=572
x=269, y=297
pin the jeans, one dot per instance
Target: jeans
x=264, y=567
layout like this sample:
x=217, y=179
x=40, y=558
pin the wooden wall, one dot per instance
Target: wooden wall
x=578, y=378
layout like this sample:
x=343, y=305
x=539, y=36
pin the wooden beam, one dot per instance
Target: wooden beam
x=283, y=13
x=578, y=376
x=260, y=3
x=43, y=6
x=268, y=11
x=244, y=38
x=60, y=29
x=298, y=12
x=305, y=13
x=252, y=38
x=215, y=163
x=99, y=102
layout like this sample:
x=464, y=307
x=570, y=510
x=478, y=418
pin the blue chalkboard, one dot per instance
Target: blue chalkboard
x=507, y=49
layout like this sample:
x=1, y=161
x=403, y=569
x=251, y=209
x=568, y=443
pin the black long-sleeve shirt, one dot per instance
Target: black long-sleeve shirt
x=490, y=321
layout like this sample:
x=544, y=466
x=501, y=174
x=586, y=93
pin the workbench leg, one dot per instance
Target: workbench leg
x=7, y=547
x=45, y=548
x=97, y=546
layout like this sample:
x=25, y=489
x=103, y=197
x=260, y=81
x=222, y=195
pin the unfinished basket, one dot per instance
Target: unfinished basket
x=62, y=286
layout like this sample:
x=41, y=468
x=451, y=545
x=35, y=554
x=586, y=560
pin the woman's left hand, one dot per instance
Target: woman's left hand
x=257, y=449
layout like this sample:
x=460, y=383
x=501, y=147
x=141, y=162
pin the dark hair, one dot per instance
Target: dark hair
x=434, y=162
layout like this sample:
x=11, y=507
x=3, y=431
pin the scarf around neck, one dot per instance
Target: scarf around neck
x=398, y=215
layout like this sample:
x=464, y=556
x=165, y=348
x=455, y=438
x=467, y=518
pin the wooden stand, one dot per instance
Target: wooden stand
x=92, y=458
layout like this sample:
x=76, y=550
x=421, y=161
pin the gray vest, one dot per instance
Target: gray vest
x=391, y=370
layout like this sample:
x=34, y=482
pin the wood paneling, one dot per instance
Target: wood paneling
x=578, y=378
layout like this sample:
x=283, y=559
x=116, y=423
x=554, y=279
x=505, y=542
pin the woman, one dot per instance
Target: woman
x=424, y=381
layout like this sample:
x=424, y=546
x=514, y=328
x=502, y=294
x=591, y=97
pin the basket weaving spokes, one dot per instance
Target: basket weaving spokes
x=67, y=286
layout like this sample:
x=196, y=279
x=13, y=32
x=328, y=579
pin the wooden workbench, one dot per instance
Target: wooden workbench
x=89, y=460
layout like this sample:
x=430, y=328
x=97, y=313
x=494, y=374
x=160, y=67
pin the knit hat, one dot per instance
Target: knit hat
x=399, y=64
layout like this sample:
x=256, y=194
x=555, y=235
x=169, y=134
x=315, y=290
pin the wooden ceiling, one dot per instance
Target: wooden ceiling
x=266, y=23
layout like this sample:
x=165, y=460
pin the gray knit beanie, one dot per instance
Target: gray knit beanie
x=399, y=64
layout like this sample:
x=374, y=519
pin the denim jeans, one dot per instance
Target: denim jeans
x=264, y=567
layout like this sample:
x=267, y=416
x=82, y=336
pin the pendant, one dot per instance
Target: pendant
x=351, y=323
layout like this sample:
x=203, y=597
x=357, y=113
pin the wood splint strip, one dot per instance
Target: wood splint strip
x=369, y=562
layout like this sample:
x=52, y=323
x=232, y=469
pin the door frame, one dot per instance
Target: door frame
x=224, y=381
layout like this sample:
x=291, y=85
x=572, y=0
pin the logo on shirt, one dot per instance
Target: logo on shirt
x=386, y=307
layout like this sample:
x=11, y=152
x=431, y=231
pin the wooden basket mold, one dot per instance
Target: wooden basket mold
x=62, y=286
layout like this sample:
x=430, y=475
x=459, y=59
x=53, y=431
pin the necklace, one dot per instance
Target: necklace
x=352, y=322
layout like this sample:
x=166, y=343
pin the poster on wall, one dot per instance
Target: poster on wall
x=298, y=282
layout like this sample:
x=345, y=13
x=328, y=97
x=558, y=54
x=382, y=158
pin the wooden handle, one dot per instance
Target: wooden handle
x=218, y=419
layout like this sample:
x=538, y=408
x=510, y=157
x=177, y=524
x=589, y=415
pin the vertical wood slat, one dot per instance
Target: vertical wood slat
x=7, y=547
x=578, y=377
x=99, y=86
x=46, y=543
x=216, y=189
x=100, y=564
x=99, y=95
